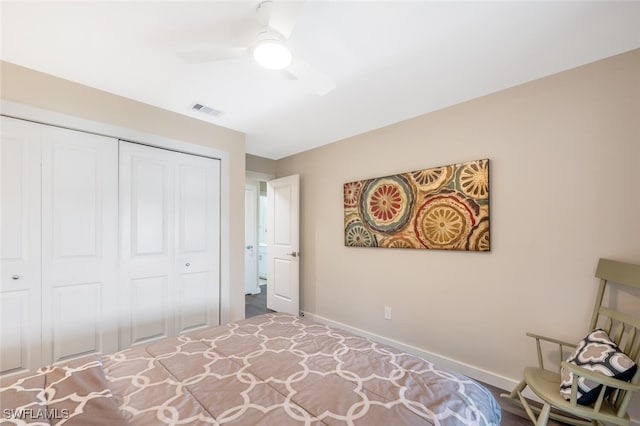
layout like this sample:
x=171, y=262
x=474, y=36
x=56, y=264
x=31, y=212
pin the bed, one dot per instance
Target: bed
x=271, y=369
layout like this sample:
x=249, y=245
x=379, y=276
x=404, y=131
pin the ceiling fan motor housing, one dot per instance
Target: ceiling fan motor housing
x=270, y=50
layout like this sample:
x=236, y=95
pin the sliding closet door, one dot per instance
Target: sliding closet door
x=169, y=213
x=79, y=244
x=20, y=317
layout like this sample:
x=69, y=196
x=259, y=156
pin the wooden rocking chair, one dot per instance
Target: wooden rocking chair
x=614, y=397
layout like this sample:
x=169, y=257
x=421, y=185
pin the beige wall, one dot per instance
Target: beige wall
x=564, y=154
x=34, y=89
x=260, y=165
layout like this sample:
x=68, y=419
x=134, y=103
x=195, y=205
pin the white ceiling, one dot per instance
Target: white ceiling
x=390, y=60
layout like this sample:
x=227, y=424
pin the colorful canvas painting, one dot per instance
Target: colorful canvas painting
x=444, y=208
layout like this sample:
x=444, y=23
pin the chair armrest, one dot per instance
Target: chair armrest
x=606, y=382
x=552, y=340
x=561, y=345
x=600, y=378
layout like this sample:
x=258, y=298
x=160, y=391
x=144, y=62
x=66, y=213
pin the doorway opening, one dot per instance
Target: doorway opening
x=256, y=247
x=280, y=237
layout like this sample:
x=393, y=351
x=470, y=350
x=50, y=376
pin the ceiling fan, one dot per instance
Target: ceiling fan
x=276, y=20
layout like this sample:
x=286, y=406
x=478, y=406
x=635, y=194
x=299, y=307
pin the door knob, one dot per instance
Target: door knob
x=249, y=247
x=294, y=253
x=15, y=277
x=187, y=264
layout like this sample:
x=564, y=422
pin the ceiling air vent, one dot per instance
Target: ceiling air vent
x=206, y=110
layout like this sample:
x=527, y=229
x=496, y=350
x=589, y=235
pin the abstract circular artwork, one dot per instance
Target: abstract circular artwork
x=385, y=204
x=444, y=208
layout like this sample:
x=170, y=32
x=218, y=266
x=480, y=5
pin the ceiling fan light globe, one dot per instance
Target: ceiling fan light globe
x=272, y=55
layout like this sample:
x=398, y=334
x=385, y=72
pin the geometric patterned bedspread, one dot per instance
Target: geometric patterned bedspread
x=276, y=369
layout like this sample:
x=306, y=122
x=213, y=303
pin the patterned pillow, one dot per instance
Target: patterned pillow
x=596, y=352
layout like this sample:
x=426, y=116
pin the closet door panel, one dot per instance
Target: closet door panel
x=16, y=334
x=77, y=320
x=192, y=206
x=20, y=254
x=149, y=316
x=193, y=298
x=79, y=244
x=75, y=202
x=147, y=243
x=149, y=209
x=197, y=234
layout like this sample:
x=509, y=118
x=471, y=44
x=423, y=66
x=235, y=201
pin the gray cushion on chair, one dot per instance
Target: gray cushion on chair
x=596, y=352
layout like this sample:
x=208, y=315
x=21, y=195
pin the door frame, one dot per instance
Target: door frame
x=251, y=216
x=227, y=290
x=251, y=176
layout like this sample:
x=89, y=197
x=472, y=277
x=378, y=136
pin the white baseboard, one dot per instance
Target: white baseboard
x=469, y=370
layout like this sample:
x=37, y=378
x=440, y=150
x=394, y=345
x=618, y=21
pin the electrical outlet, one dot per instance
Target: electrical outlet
x=387, y=312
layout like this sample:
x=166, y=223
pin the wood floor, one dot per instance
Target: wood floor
x=512, y=415
x=256, y=304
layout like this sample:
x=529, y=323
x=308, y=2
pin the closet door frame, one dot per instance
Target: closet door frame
x=231, y=297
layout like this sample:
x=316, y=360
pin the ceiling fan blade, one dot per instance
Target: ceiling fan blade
x=212, y=55
x=283, y=16
x=318, y=81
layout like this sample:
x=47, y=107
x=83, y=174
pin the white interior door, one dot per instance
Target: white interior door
x=283, y=264
x=251, y=239
x=170, y=249
x=197, y=262
x=79, y=244
x=20, y=288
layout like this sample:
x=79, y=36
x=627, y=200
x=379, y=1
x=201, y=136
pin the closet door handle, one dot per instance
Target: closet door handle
x=15, y=277
x=187, y=264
